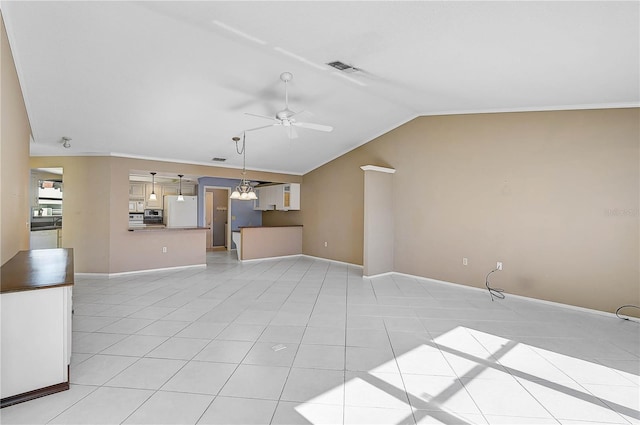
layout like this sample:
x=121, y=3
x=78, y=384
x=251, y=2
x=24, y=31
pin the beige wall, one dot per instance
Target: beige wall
x=268, y=242
x=95, y=214
x=553, y=195
x=14, y=158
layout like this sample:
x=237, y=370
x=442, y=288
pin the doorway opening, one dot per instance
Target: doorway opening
x=217, y=218
x=45, y=208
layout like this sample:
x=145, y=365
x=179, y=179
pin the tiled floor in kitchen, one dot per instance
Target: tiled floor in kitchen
x=308, y=341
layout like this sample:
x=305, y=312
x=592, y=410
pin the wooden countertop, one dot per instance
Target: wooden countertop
x=37, y=269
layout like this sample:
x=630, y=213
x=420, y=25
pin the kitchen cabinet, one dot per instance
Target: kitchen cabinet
x=136, y=190
x=36, y=291
x=281, y=197
x=288, y=197
x=170, y=189
x=136, y=206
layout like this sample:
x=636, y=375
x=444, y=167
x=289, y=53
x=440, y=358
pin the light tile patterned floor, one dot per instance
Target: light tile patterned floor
x=308, y=341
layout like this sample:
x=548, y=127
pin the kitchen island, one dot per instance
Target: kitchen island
x=35, y=290
x=257, y=242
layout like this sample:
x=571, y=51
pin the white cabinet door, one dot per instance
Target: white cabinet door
x=136, y=190
x=291, y=196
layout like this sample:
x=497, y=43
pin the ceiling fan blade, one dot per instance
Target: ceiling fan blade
x=260, y=128
x=312, y=126
x=260, y=116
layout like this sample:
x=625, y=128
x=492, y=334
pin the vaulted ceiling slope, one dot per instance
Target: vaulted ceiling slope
x=173, y=80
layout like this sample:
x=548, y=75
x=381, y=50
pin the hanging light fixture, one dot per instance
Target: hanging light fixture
x=244, y=191
x=180, y=197
x=153, y=196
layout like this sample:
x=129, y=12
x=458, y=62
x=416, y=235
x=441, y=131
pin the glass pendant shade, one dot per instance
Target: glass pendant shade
x=153, y=197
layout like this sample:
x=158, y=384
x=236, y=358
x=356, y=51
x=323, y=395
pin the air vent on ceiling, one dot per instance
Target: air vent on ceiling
x=341, y=66
x=216, y=159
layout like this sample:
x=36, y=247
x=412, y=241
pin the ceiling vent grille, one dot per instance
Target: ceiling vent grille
x=341, y=66
x=217, y=159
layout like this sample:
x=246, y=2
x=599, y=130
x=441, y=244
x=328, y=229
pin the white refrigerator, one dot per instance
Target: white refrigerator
x=180, y=213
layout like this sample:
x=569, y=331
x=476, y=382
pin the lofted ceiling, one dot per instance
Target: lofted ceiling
x=173, y=80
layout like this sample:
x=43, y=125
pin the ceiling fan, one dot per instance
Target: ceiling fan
x=285, y=117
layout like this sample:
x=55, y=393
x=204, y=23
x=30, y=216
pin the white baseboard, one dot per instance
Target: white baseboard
x=520, y=297
x=281, y=257
x=330, y=260
x=373, y=276
x=110, y=275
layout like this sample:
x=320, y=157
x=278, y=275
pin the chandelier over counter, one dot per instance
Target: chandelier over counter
x=244, y=191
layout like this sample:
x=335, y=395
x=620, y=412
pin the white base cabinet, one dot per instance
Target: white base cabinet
x=36, y=339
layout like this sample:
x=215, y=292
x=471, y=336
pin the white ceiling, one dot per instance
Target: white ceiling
x=169, y=80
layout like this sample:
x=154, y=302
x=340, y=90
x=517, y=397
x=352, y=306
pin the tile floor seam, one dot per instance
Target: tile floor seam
x=299, y=345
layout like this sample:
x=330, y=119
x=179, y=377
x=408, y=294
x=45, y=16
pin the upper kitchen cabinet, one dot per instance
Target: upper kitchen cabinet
x=281, y=197
x=136, y=190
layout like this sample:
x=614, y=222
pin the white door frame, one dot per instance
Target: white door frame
x=204, y=210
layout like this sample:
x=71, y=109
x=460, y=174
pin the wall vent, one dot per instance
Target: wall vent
x=341, y=66
x=217, y=159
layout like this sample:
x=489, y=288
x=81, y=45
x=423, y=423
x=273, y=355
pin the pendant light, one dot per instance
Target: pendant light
x=244, y=191
x=153, y=196
x=180, y=197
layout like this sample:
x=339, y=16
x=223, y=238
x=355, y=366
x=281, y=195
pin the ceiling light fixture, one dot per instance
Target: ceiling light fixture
x=153, y=196
x=244, y=191
x=180, y=197
x=65, y=142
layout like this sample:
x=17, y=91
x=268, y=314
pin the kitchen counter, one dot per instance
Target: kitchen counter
x=163, y=228
x=36, y=229
x=266, y=227
x=36, y=292
x=37, y=269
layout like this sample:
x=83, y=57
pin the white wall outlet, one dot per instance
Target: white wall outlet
x=499, y=265
x=326, y=244
x=465, y=261
x=164, y=249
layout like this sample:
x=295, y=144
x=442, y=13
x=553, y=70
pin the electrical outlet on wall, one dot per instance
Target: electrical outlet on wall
x=326, y=244
x=465, y=261
x=164, y=249
x=499, y=265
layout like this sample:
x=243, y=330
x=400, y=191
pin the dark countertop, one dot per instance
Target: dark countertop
x=36, y=229
x=265, y=227
x=37, y=269
x=162, y=228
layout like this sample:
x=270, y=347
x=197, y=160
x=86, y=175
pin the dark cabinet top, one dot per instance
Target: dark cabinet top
x=37, y=269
